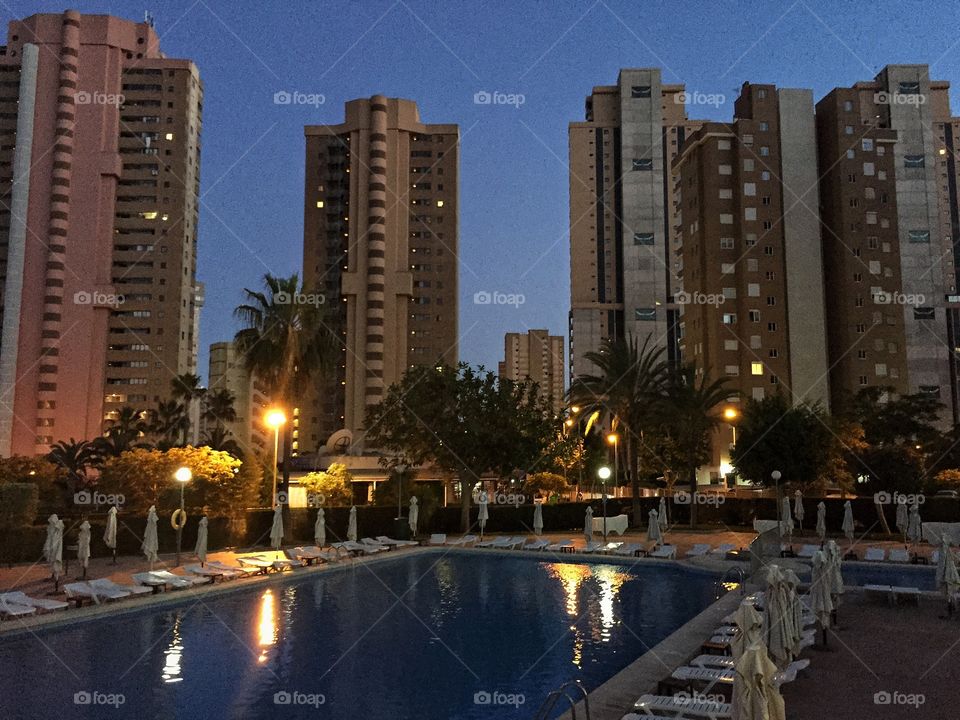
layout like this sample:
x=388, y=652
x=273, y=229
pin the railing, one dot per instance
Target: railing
x=561, y=692
x=740, y=575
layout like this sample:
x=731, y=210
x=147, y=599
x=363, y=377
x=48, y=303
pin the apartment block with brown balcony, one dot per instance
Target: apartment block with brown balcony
x=381, y=246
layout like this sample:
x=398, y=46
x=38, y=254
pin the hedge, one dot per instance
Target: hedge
x=18, y=504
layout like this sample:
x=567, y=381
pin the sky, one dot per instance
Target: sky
x=514, y=210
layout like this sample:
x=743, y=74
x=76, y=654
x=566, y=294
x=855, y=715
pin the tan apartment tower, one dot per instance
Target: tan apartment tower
x=251, y=399
x=752, y=276
x=380, y=245
x=536, y=355
x=99, y=177
x=889, y=198
x=623, y=269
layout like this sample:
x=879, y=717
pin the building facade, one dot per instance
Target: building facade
x=536, y=355
x=381, y=249
x=623, y=264
x=99, y=180
x=251, y=399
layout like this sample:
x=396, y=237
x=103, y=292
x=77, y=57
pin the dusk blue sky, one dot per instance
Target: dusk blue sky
x=513, y=173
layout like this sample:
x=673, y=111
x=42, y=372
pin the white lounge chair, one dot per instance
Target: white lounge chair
x=611, y=547
x=257, y=563
x=715, y=661
x=438, y=539
x=308, y=555
x=808, y=551
x=698, y=550
x=670, y=706
x=14, y=610
x=592, y=547
x=373, y=545
x=398, y=543
x=898, y=555
x=628, y=549
x=357, y=548
x=789, y=673
x=217, y=565
x=462, y=541
x=101, y=584
x=560, y=545
x=208, y=574
x=80, y=591
x=487, y=543
x=665, y=552
x=21, y=598
x=723, y=548
x=536, y=545
x=149, y=580
x=874, y=554
x=710, y=676
x=178, y=582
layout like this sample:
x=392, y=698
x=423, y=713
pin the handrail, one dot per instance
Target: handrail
x=547, y=707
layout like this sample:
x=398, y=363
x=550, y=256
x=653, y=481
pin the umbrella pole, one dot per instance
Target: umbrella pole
x=114, y=556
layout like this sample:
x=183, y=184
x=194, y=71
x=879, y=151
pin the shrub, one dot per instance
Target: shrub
x=18, y=504
x=335, y=485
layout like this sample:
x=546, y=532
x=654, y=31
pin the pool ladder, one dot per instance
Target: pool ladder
x=561, y=692
x=740, y=574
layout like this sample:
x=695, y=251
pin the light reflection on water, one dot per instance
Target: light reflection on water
x=267, y=625
x=173, y=654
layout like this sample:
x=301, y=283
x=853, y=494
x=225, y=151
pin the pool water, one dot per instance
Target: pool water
x=434, y=635
x=922, y=577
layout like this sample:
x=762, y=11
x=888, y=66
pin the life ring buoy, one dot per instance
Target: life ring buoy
x=179, y=519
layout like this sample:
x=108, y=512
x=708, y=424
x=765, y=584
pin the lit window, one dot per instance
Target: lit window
x=756, y=368
x=319, y=203
x=149, y=215
x=169, y=136
x=439, y=203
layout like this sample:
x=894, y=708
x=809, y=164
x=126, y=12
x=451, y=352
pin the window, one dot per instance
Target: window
x=868, y=169
x=643, y=238
x=748, y=165
x=761, y=93
x=754, y=316
x=723, y=144
x=731, y=370
x=861, y=354
x=726, y=268
x=870, y=193
x=645, y=314
x=862, y=379
x=750, y=188
x=913, y=161
x=726, y=243
x=726, y=193
x=764, y=125
x=771, y=327
x=764, y=151
x=756, y=368
x=847, y=106
x=880, y=369
x=729, y=318
x=774, y=353
x=866, y=144
x=918, y=236
x=747, y=140
x=753, y=290
x=909, y=88
x=771, y=301
x=643, y=164
x=729, y=344
x=750, y=213
x=755, y=342
x=871, y=218
x=924, y=313
x=765, y=175
x=726, y=219
x=640, y=91
x=725, y=170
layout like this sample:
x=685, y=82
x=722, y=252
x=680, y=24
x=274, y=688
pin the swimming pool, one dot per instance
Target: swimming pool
x=433, y=635
x=922, y=577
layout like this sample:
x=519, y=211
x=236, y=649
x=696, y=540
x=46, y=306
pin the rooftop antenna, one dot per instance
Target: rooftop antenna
x=148, y=18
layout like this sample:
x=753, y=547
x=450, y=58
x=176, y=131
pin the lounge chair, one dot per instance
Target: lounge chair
x=462, y=541
x=266, y=563
x=808, y=551
x=217, y=565
x=710, y=676
x=81, y=591
x=101, y=584
x=373, y=545
x=258, y=563
x=536, y=545
x=560, y=546
x=723, y=548
x=665, y=552
x=722, y=662
x=678, y=707
x=20, y=598
x=592, y=547
x=13, y=610
x=698, y=550
x=898, y=555
x=438, y=539
x=874, y=554
x=209, y=574
x=355, y=548
x=149, y=580
x=384, y=540
x=178, y=582
x=501, y=543
x=306, y=555
x=628, y=549
x=789, y=673
x=611, y=547
x=487, y=543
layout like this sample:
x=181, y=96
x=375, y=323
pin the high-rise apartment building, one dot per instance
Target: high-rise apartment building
x=380, y=246
x=536, y=355
x=890, y=208
x=227, y=371
x=99, y=178
x=622, y=243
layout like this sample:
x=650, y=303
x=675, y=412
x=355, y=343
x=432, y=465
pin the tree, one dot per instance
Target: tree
x=544, y=484
x=627, y=391
x=466, y=422
x=773, y=435
x=286, y=343
x=187, y=390
x=888, y=418
x=333, y=486
x=168, y=423
x=219, y=407
x=691, y=411
x=219, y=438
x=77, y=458
x=123, y=433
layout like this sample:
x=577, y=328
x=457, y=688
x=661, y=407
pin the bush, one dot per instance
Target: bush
x=18, y=504
x=334, y=485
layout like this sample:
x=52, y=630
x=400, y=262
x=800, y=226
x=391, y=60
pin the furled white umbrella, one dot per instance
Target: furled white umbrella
x=83, y=547
x=150, y=544
x=777, y=618
x=352, y=525
x=653, y=528
x=53, y=547
x=750, y=623
x=786, y=517
x=798, y=508
x=537, y=518
x=947, y=576
x=483, y=514
x=413, y=516
x=903, y=521
x=914, y=526
x=200, y=549
x=792, y=584
x=320, y=529
x=847, y=525
x=834, y=564
x=110, y=534
x=662, y=515
x=755, y=692
x=276, y=530
x=821, y=520
x=588, y=524
x=821, y=601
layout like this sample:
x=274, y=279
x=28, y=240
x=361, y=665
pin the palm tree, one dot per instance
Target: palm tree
x=218, y=407
x=285, y=343
x=219, y=438
x=76, y=457
x=691, y=405
x=187, y=389
x=626, y=392
x=168, y=423
x=123, y=433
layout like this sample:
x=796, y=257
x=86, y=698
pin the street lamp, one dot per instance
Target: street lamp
x=613, y=439
x=604, y=474
x=775, y=475
x=182, y=476
x=275, y=419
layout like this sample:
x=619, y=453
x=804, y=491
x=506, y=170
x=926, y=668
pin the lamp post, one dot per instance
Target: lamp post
x=775, y=475
x=400, y=470
x=275, y=419
x=182, y=476
x=613, y=439
x=604, y=475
